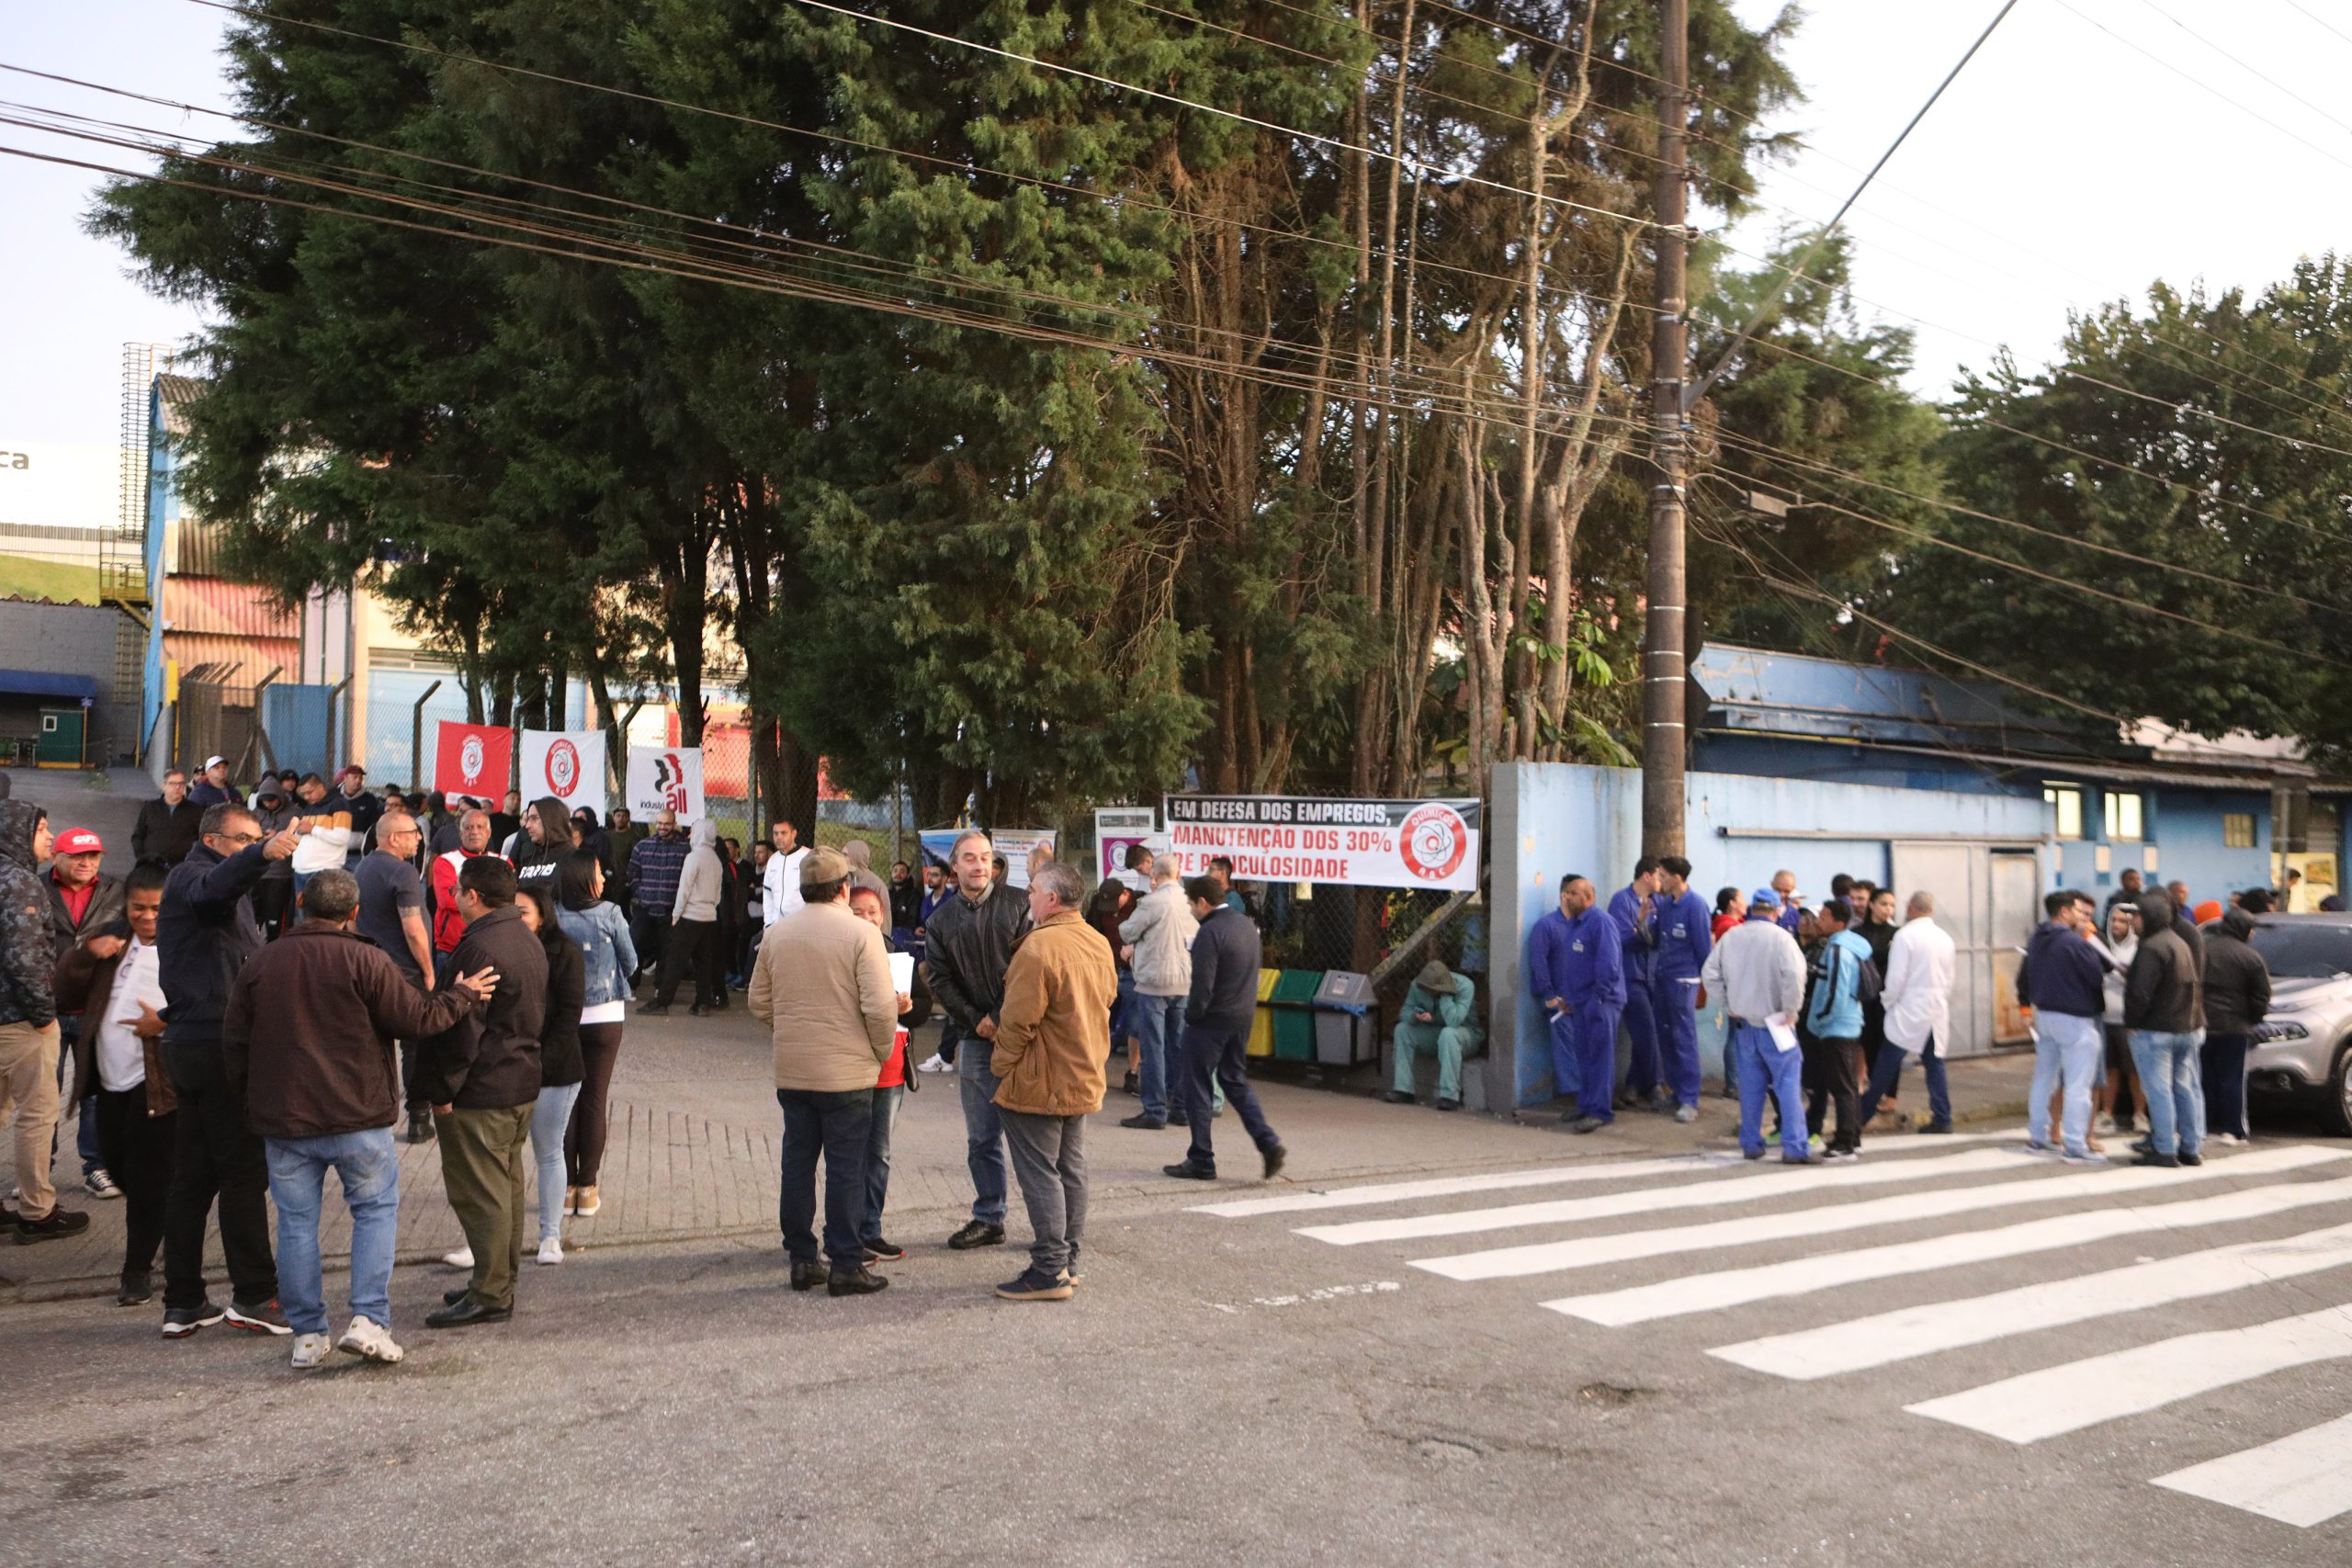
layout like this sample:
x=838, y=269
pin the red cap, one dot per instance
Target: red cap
x=350, y=767
x=78, y=841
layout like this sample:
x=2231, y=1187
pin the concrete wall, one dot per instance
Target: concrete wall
x=1549, y=820
x=72, y=639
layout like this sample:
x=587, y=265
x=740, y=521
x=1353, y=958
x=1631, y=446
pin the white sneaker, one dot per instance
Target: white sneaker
x=101, y=1186
x=935, y=1062
x=551, y=1250
x=2103, y=1123
x=462, y=1259
x=1686, y=1114
x=310, y=1350
x=370, y=1341
x=2085, y=1158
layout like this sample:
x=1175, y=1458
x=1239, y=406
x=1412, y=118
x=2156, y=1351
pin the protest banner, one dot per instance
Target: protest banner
x=665, y=778
x=472, y=760
x=1361, y=843
x=1115, y=827
x=568, y=764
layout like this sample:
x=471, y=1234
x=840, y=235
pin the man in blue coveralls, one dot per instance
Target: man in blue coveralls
x=1633, y=909
x=1576, y=963
x=1681, y=924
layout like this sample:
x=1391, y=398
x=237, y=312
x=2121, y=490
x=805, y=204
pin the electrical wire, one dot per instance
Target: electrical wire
x=2267, y=81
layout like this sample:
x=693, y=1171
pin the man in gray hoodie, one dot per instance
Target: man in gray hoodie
x=694, y=928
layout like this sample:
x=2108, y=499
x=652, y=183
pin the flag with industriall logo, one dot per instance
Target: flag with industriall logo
x=568, y=764
x=473, y=760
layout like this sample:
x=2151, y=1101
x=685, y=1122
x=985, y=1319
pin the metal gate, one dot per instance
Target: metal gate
x=1987, y=896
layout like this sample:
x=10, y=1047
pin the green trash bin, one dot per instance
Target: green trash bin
x=1292, y=1005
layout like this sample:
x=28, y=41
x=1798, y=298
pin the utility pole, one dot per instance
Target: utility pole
x=1663, y=735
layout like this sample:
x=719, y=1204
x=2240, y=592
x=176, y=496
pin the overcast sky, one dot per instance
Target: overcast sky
x=2063, y=169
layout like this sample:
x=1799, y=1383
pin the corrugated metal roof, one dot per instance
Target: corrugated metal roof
x=209, y=605
x=175, y=392
x=198, y=548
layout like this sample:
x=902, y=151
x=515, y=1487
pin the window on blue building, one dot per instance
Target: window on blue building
x=2066, y=800
x=2126, y=816
x=2237, y=830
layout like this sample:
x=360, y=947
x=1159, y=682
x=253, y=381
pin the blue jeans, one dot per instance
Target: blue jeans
x=1160, y=1028
x=983, y=1129
x=2066, y=1050
x=551, y=1114
x=2172, y=1078
x=369, y=1168
x=877, y=1158
x=1764, y=1065
x=834, y=1125
x=1641, y=1028
x=1222, y=1056
x=1888, y=1068
x=1674, y=1012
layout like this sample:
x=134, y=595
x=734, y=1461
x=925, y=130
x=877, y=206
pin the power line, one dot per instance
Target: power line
x=2266, y=79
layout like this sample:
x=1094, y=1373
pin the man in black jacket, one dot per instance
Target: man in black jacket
x=481, y=1079
x=203, y=936
x=83, y=901
x=29, y=1033
x=1227, y=956
x=167, y=826
x=967, y=950
x=2237, y=996
x=2164, y=1006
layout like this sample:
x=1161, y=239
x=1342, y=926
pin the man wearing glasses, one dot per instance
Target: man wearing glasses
x=204, y=934
x=391, y=915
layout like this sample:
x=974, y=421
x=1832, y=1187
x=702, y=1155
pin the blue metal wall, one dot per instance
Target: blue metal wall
x=2185, y=830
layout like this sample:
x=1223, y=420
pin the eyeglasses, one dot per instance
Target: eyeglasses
x=241, y=840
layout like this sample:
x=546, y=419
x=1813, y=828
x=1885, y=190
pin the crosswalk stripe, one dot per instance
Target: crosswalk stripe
x=1545, y=1176
x=2034, y=1405
x=1910, y=1332
x=1660, y=1199
x=1547, y=1257
x=2303, y=1480
x=1802, y=1276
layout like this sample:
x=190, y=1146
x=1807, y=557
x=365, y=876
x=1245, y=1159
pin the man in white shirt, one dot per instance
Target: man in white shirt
x=327, y=832
x=1918, y=998
x=780, y=885
x=1759, y=970
x=117, y=1064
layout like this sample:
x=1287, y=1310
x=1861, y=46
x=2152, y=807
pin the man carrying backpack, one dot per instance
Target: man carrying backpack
x=1842, y=978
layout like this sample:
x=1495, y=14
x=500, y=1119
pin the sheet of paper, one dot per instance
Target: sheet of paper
x=1784, y=1033
x=902, y=972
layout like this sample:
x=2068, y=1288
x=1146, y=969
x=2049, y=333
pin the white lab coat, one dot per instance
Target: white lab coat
x=1917, y=990
x=780, y=885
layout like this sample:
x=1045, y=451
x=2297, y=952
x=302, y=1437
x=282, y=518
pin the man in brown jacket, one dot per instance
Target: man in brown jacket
x=1053, y=1039
x=821, y=984
x=306, y=1038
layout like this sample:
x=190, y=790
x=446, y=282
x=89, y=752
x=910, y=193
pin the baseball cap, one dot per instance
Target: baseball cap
x=78, y=842
x=1765, y=896
x=352, y=768
x=210, y=762
x=823, y=866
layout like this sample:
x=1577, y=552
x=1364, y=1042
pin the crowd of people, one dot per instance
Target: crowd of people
x=2148, y=1010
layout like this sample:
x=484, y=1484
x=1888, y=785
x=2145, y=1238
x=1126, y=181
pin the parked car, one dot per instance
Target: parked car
x=2303, y=1049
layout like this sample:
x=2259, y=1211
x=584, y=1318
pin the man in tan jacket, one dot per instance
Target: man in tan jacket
x=822, y=986
x=1053, y=1038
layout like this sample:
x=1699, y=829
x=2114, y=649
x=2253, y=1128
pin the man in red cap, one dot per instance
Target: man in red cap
x=83, y=902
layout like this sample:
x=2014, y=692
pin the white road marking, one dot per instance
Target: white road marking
x=2034, y=1405
x=1547, y=1257
x=1321, y=1293
x=1801, y=1276
x=1659, y=1199
x=1545, y=1176
x=2303, y=1480
x=1910, y=1332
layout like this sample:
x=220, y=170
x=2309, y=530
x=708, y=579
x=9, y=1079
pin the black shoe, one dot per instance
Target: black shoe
x=1751, y=1154
x=855, y=1281
x=1035, y=1287
x=465, y=1314
x=977, y=1232
x=1584, y=1124
x=2143, y=1145
x=1188, y=1172
x=181, y=1322
x=1936, y=1127
x=1398, y=1097
x=137, y=1291
x=1444, y=1104
x=1143, y=1121
x=451, y=1298
x=696, y=1010
x=2187, y=1158
x=1799, y=1159
x=1274, y=1158
x=1623, y=1100
x=654, y=1010
x=808, y=1276
x=1180, y=1118
x=58, y=1222
x=420, y=1127
x=1662, y=1100
x=1133, y=1086
x=258, y=1317
x=880, y=1250
x=2152, y=1157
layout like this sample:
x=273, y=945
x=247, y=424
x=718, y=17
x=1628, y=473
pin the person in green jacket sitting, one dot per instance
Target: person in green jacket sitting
x=1440, y=1015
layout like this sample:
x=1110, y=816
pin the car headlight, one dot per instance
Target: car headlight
x=2272, y=1033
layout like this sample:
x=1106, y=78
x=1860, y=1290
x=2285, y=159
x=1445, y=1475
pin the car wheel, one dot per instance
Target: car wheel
x=2336, y=1115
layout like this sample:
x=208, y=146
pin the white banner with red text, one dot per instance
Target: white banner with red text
x=665, y=778
x=1361, y=843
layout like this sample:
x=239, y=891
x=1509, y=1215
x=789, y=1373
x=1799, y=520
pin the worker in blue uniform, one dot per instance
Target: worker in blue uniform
x=1682, y=924
x=1576, y=964
x=1633, y=909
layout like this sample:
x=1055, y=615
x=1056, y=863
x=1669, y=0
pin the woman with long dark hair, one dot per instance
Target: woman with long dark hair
x=547, y=837
x=558, y=1059
x=609, y=960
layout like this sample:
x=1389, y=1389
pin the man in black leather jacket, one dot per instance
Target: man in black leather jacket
x=967, y=946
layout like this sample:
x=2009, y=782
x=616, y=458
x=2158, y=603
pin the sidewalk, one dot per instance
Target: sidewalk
x=694, y=1153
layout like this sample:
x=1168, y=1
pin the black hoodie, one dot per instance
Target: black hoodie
x=2164, y=991
x=28, y=951
x=2237, y=982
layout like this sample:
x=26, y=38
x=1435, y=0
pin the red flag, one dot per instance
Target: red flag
x=473, y=758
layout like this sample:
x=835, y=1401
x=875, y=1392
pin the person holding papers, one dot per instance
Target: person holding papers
x=1758, y=971
x=1917, y=999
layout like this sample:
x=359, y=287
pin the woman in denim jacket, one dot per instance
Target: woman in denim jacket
x=611, y=960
